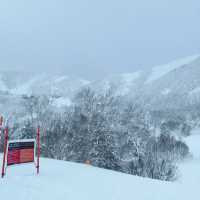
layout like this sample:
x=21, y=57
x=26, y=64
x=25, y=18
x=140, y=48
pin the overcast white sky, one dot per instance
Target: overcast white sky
x=93, y=38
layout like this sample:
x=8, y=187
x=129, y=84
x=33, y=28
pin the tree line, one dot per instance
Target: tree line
x=106, y=131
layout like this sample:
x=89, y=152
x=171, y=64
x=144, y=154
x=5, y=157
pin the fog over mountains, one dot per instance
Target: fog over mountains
x=174, y=85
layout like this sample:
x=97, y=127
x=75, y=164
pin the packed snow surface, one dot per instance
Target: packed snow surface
x=69, y=181
x=62, y=180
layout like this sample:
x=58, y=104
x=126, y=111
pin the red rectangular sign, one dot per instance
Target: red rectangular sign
x=20, y=152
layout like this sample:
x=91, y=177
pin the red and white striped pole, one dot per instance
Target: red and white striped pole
x=1, y=127
x=38, y=150
x=4, y=151
x=1, y=121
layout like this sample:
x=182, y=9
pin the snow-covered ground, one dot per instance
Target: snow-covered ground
x=60, y=180
x=68, y=181
x=194, y=143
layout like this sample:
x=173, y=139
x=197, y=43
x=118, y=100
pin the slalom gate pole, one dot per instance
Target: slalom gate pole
x=38, y=150
x=1, y=127
x=4, y=152
x=1, y=121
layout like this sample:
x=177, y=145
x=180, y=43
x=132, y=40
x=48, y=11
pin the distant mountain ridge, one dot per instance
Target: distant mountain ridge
x=168, y=86
x=17, y=83
x=173, y=85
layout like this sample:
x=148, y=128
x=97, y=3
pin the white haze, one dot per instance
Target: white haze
x=92, y=39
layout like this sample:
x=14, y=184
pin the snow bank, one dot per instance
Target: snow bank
x=69, y=181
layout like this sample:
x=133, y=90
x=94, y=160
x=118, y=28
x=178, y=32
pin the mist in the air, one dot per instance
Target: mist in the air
x=93, y=39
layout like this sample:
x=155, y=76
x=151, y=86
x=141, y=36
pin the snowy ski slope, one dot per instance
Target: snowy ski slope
x=60, y=180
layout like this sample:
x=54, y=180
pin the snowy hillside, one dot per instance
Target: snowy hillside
x=124, y=84
x=63, y=180
x=177, y=88
x=25, y=83
x=159, y=71
x=15, y=84
x=172, y=86
x=175, y=84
